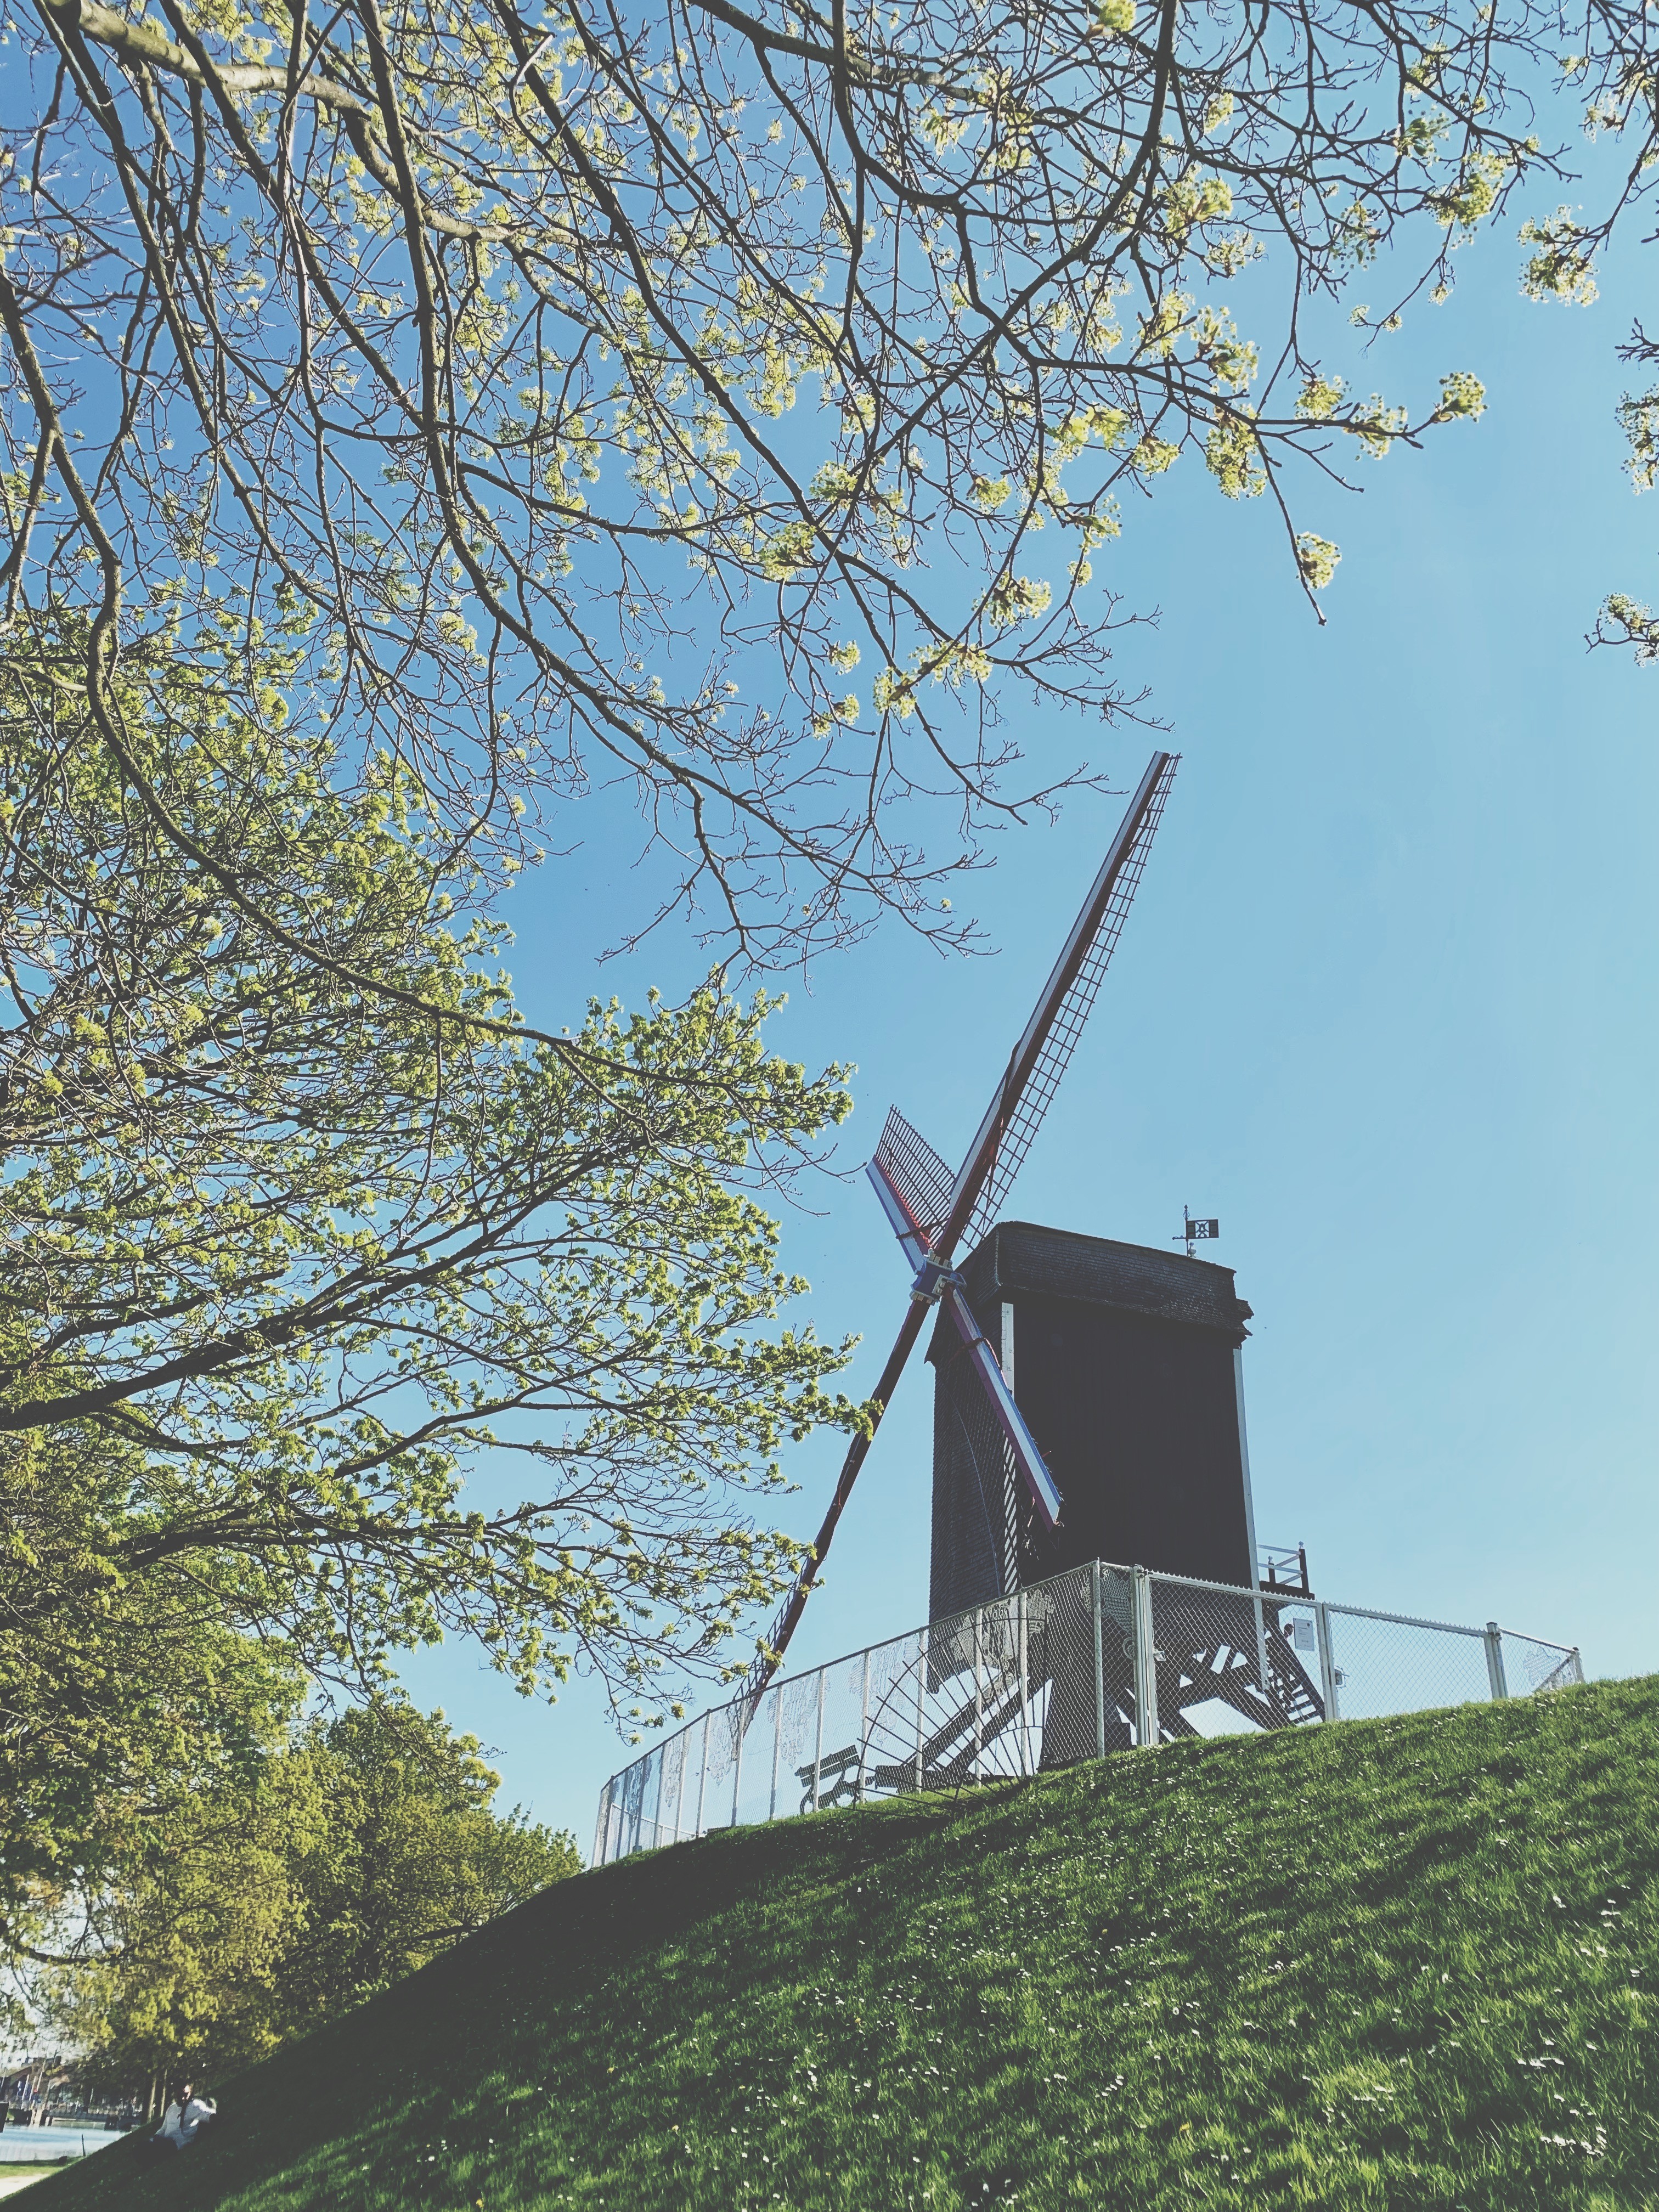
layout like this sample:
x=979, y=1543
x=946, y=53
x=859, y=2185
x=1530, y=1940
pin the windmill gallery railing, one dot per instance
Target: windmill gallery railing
x=1098, y=1660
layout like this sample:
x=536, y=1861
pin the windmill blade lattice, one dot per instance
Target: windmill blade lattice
x=1037, y=1093
x=916, y=1173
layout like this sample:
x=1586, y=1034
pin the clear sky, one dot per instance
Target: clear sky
x=1385, y=1005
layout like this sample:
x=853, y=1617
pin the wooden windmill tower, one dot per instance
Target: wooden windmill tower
x=1126, y=1363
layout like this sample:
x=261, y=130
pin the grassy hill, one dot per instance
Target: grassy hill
x=1412, y=1962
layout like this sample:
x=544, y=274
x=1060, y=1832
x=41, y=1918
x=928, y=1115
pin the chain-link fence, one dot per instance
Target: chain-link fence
x=1096, y=1660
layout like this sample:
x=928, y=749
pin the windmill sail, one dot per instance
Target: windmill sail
x=912, y=1174
x=916, y=1176
x=1040, y=1059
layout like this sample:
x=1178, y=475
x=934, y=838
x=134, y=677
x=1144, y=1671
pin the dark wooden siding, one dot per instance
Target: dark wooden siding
x=1123, y=1365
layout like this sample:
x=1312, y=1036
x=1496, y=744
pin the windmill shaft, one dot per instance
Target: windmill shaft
x=982, y=1153
x=762, y=1673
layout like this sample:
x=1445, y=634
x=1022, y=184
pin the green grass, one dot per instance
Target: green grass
x=1412, y=1962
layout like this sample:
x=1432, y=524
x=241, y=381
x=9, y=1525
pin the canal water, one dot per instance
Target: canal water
x=34, y=2146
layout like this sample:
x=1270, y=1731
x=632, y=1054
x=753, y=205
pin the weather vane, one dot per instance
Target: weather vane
x=1194, y=1231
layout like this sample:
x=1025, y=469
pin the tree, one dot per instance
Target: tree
x=403, y=439
x=123, y=1697
x=1625, y=620
x=482, y=334
x=353, y=1853
x=286, y=1254
x=415, y=1859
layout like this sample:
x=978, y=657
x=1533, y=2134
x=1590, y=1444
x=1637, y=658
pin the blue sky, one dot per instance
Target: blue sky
x=1385, y=1005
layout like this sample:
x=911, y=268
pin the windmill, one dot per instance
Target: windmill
x=931, y=1210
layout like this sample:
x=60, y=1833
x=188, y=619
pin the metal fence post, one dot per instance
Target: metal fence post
x=1326, y=1662
x=737, y=1764
x=1146, y=1661
x=1100, y=1662
x=979, y=1687
x=864, y=1722
x=602, y=1833
x=1261, y=1645
x=1024, y=1713
x=817, y=1742
x=702, y=1778
x=921, y=1693
x=1578, y=1665
x=1493, y=1640
x=679, y=1794
x=777, y=1743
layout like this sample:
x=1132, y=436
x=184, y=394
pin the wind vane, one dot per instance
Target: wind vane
x=1196, y=1231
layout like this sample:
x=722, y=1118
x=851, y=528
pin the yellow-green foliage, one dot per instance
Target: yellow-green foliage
x=276, y=1897
x=301, y=1229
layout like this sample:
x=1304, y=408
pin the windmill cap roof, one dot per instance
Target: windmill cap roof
x=1021, y=1256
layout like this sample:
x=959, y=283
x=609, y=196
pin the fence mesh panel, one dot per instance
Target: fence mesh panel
x=749, y=1791
x=635, y=1787
x=717, y=1788
x=1402, y=1665
x=1060, y=1637
x=1530, y=1665
x=897, y=1728
x=1046, y=1678
x=1208, y=1660
x=692, y=1817
x=797, y=1716
x=983, y=1695
x=839, y=1779
x=673, y=1755
x=962, y=1714
x=650, y=1796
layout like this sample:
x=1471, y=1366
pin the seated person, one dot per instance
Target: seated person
x=185, y=2119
